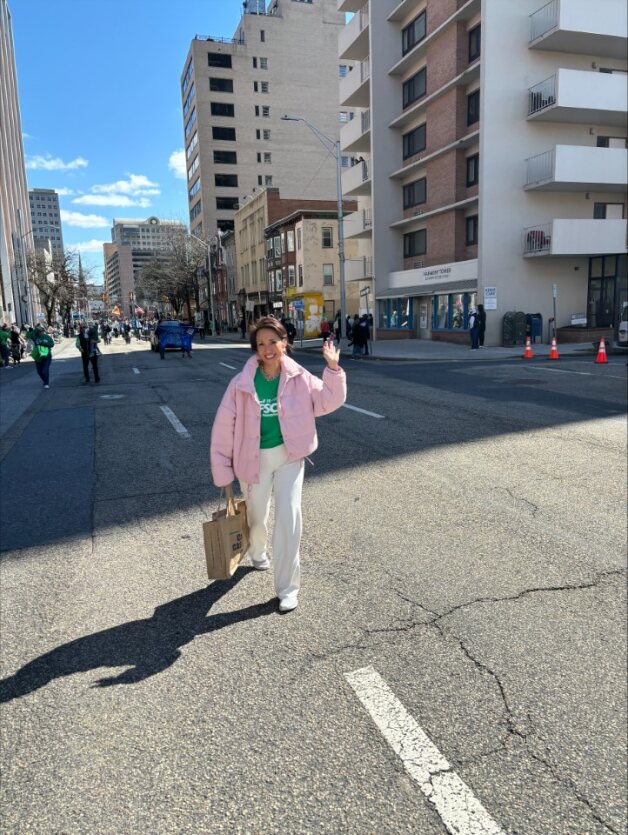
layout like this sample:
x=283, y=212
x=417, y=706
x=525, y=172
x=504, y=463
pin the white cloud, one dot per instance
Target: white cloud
x=177, y=164
x=50, y=163
x=64, y=192
x=89, y=246
x=110, y=200
x=85, y=221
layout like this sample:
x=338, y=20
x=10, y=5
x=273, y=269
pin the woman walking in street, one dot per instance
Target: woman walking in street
x=264, y=428
x=42, y=352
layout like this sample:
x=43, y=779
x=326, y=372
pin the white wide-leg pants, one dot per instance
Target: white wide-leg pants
x=285, y=478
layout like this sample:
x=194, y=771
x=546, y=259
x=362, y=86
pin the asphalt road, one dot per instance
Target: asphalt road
x=468, y=547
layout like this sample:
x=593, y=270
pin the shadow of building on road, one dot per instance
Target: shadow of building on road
x=146, y=647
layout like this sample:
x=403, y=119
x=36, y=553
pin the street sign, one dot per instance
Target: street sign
x=364, y=291
x=555, y=291
x=299, y=304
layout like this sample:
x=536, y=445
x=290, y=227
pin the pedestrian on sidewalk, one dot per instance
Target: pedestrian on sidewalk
x=264, y=428
x=87, y=343
x=337, y=327
x=4, y=345
x=474, y=328
x=481, y=325
x=243, y=327
x=43, y=344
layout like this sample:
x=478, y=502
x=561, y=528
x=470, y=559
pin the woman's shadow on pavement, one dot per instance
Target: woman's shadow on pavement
x=146, y=646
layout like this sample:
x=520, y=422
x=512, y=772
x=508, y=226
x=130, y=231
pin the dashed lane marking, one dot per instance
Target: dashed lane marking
x=459, y=809
x=232, y=367
x=174, y=420
x=584, y=373
x=136, y=371
x=363, y=411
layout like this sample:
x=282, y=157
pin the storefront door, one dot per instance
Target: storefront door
x=602, y=285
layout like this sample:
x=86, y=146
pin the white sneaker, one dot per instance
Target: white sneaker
x=288, y=603
x=262, y=564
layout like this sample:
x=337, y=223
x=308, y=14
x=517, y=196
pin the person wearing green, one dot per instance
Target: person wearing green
x=4, y=345
x=42, y=352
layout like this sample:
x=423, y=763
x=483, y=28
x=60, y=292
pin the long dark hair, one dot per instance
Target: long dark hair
x=272, y=324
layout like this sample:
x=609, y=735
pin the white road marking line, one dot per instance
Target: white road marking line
x=136, y=371
x=174, y=420
x=585, y=373
x=461, y=812
x=232, y=367
x=363, y=411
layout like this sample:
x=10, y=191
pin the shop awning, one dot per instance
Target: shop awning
x=427, y=289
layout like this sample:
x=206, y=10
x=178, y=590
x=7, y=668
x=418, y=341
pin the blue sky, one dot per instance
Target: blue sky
x=101, y=107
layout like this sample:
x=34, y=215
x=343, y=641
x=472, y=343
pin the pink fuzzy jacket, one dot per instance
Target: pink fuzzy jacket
x=235, y=440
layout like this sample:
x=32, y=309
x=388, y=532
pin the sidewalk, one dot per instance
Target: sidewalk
x=417, y=350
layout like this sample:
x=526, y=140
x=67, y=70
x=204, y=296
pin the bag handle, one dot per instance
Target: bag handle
x=230, y=501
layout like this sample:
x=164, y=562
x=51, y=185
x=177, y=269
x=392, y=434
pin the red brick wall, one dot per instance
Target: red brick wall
x=444, y=58
x=442, y=121
x=438, y=11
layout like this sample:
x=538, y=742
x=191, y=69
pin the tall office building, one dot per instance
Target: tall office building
x=18, y=299
x=45, y=220
x=493, y=139
x=134, y=243
x=234, y=91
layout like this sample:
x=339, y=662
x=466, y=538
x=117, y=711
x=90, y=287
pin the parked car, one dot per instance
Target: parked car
x=171, y=331
x=622, y=337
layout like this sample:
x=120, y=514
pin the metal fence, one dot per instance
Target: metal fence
x=542, y=95
x=540, y=167
x=544, y=19
x=537, y=238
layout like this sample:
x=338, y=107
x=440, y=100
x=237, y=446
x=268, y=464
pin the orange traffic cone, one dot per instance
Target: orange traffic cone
x=601, y=352
x=553, y=354
x=527, y=354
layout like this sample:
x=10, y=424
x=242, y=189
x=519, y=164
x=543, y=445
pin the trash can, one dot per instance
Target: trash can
x=519, y=328
x=508, y=330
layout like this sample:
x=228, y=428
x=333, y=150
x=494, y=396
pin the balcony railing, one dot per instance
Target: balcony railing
x=365, y=70
x=537, y=238
x=540, y=167
x=367, y=218
x=366, y=120
x=363, y=15
x=542, y=95
x=544, y=19
x=366, y=171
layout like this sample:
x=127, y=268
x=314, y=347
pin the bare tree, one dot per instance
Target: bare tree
x=55, y=278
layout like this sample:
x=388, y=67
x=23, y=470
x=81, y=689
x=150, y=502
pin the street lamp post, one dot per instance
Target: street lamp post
x=334, y=148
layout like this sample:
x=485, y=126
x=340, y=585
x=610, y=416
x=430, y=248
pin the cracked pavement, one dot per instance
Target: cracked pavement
x=470, y=547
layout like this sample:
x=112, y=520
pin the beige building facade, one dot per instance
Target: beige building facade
x=45, y=220
x=492, y=139
x=234, y=91
x=18, y=298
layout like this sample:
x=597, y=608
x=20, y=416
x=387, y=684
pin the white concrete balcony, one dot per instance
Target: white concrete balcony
x=356, y=180
x=355, y=135
x=350, y=5
x=575, y=237
x=581, y=26
x=578, y=168
x=359, y=269
x=353, y=41
x=355, y=87
x=580, y=97
x=359, y=224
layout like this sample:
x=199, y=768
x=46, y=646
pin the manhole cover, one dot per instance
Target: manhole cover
x=111, y=396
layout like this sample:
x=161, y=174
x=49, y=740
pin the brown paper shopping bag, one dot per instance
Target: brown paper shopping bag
x=226, y=538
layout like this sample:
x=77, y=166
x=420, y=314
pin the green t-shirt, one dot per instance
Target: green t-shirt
x=270, y=430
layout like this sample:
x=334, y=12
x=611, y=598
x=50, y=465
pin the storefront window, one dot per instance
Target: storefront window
x=395, y=313
x=451, y=312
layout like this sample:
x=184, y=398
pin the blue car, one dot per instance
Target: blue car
x=172, y=335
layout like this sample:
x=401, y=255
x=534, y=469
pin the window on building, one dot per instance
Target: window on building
x=472, y=230
x=269, y=247
x=612, y=142
x=259, y=156
x=254, y=63
x=187, y=77
x=415, y=88
x=266, y=135
x=395, y=313
x=268, y=180
x=291, y=277
x=188, y=101
x=299, y=238
x=267, y=157
x=344, y=162
x=263, y=63
x=219, y=59
x=414, y=142
x=290, y=240
x=415, y=193
x=262, y=35
x=266, y=111
x=264, y=86
x=608, y=211
x=473, y=170
x=277, y=246
x=226, y=180
x=413, y=33
x=219, y=108
x=224, y=134
x=220, y=85
x=227, y=203
x=190, y=123
x=473, y=107
x=255, y=87
x=193, y=168
x=195, y=188
x=475, y=42
x=451, y=311
x=343, y=69
x=257, y=110
x=415, y=243
x=328, y=274
x=300, y=275
x=327, y=237
x=260, y=180
x=225, y=158
x=195, y=210
x=258, y=134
